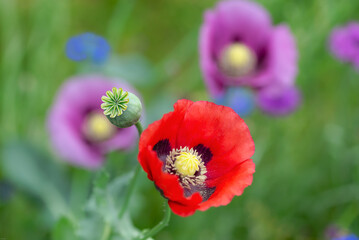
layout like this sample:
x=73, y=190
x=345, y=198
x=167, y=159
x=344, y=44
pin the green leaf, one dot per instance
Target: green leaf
x=101, y=180
x=90, y=227
x=21, y=165
x=30, y=170
x=63, y=230
x=102, y=210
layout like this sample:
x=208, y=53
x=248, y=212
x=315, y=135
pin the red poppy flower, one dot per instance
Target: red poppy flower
x=198, y=156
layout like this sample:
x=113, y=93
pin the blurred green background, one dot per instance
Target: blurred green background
x=307, y=174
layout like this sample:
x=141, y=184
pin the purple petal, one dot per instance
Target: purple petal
x=248, y=23
x=278, y=100
x=341, y=46
x=78, y=97
x=344, y=42
x=244, y=21
x=281, y=63
x=230, y=21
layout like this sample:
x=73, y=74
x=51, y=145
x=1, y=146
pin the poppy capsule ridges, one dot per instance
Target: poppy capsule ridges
x=122, y=108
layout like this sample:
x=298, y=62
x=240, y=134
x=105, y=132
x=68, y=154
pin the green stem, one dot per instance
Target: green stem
x=131, y=188
x=160, y=225
x=80, y=186
x=139, y=128
x=106, y=232
x=130, y=191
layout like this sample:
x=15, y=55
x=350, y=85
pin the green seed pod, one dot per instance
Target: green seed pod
x=122, y=108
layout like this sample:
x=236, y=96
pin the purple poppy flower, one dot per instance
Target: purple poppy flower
x=88, y=46
x=240, y=46
x=278, y=101
x=344, y=43
x=80, y=132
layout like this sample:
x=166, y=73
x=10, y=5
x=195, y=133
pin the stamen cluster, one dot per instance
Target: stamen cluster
x=186, y=181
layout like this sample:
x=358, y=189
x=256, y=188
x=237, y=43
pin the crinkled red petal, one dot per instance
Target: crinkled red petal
x=170, y=186
x=221, y=130
x=229, y=185
x=182, y=210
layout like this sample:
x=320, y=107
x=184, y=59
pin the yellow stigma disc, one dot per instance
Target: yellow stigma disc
x=187, y=164
x=237, y=60
x=98, y=127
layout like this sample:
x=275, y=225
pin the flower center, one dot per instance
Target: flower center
x=187, y=164
x=97, y=128
x=237, y=60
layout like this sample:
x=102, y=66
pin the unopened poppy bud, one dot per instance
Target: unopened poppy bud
x=122, y=108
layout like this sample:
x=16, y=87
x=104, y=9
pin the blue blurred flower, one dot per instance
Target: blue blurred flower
x=241, y=100
x=88, y=46
x=348, y=237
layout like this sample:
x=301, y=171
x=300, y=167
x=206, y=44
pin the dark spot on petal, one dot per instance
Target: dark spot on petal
x=262, y=56
x=204, y=152
x=214, y=57
x=205, y=192
x=236, y=39
x=162, y=148
x=188, y=192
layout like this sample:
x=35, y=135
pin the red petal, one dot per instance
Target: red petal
x=169, y=184
x=165, y=128
x=220, y=129
x=231, y=184
x=182, y=210
x=145, y=159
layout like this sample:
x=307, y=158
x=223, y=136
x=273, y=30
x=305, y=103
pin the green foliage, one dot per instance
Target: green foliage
x=103, y=210
x=30, y=170
x=64, y=229
x=307, y=172
x=101, y=213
